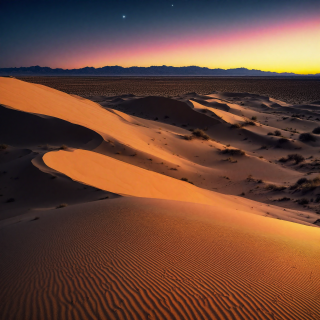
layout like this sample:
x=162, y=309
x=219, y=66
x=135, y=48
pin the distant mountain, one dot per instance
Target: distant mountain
x=136, y=71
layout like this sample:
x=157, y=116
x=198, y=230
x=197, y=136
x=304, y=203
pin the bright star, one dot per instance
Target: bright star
x=172, y=5
x=123, y=17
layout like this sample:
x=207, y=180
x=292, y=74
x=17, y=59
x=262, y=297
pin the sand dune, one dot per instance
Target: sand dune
x=139, y=259
x=25, y=129
x=99, y=220
x=121, y=178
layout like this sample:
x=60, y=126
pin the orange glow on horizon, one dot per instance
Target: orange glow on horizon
x=282, y=47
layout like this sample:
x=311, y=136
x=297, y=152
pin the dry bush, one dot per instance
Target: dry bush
x=234, y=152
x=62, y=205
x=3, y=146
x=249, y=123
x=200, y=134
x=283, y=140
x=306, y=185
x=302, y=201
x=307, y=137
x=63, y=147
x=254, y=118
x=316, y=130
x=230, y=159
x=188, y=137
x=186, y=180
x=273, y=187
x=250, y=178
x=283, y=199
x=298, y=158
x=277, y=133
x=236, y=126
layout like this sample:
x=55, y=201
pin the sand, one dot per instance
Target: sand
x=115, y=215
x=295, y=90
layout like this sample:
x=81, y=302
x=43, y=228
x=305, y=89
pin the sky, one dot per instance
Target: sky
x=274, y=35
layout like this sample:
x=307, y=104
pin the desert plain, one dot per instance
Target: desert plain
x=200, y=204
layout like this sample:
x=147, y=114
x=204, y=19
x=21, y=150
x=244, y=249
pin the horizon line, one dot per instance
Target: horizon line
x=187, y=66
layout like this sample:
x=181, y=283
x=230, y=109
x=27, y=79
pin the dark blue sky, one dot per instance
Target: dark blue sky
x=48, y=31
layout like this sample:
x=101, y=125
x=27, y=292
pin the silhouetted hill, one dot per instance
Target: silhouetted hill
x=137, y=71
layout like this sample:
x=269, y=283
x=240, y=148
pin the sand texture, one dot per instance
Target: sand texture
x=125, y=209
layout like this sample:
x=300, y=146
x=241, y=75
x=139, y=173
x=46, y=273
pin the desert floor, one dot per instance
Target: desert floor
x=295, y=90
x=138, y=206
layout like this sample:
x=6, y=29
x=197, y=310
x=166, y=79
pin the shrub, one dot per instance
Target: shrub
x=306, y=137
x=292, y=157
x=250, y=178
x=305, y=184
x=249, y=123
x=296, y=157
x=62, y=205
x=270, y=133
x=301, y=181
x=284, y=199
x=303, y=201
x=234, y=152
x=200, y=134
x=186, y=180
x=188, y=137
x=236, y=126
x=3, y=146
x=316, y=130
x=282, y=140
x=204, y=110
x=254, y=118
x=230, y=159
x=63, y=147
x=277, y=133
x=273, y=187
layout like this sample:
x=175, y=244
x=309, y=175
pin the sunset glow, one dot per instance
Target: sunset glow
x=280, y=41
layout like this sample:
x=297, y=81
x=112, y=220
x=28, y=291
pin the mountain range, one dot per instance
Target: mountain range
x=137, y=71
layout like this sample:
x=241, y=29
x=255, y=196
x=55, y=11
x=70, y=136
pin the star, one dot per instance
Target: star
x=172, y=5
x=123, y=17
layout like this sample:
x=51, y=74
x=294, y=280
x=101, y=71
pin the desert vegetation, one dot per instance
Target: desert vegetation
x=298, y=158
x=3, y=146
x=307, y=137
x=233, y=152
x=200, y=134
x=306, y=185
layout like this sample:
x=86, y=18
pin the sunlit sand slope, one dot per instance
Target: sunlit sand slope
x=133, y=258
x=122, y=178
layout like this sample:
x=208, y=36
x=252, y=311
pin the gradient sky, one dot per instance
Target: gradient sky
x=274, y=35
